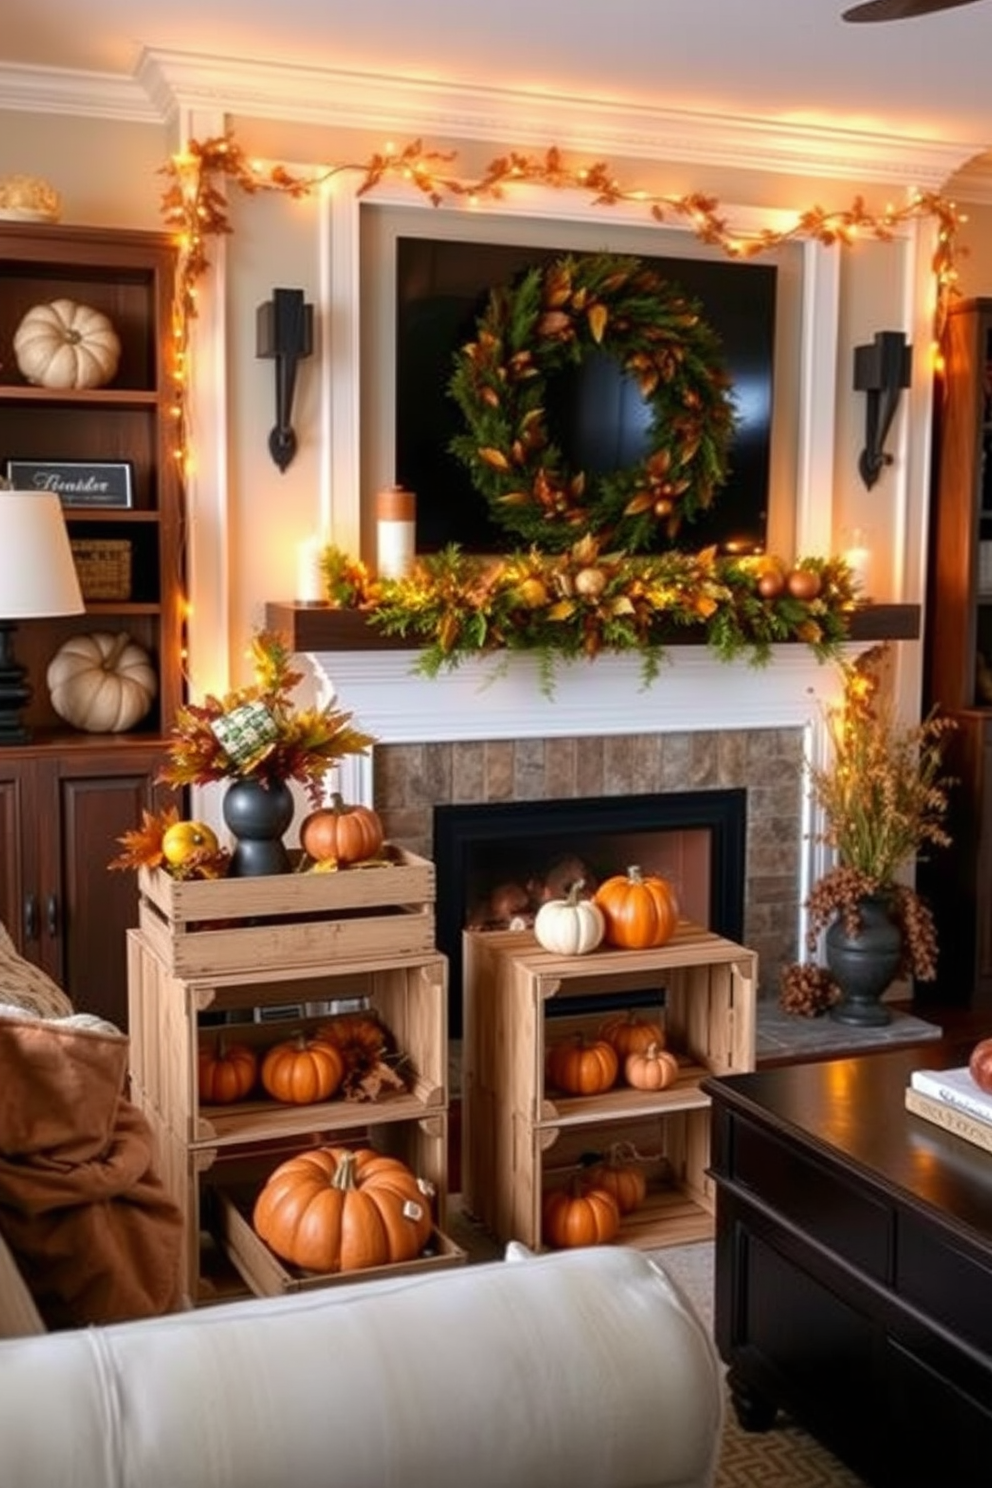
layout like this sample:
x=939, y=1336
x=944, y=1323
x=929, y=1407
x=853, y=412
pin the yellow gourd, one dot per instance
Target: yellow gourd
x=66, y=345
x=102, y=683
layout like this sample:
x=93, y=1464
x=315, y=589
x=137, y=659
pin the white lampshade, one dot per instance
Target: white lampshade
x=37, y=575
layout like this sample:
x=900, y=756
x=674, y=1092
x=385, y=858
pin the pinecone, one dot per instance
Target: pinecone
x=807, y=989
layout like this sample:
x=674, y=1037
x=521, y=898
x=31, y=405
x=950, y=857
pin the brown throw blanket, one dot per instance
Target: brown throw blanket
x=92, y=1228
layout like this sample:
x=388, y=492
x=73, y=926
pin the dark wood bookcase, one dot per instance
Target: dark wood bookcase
x=67, y=795
x=958, y=637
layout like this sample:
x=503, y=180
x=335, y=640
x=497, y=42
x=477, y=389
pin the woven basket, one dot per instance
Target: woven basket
x=104, y=567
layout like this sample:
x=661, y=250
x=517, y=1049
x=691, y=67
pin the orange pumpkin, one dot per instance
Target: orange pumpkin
x=629, y=1033
x=640, y=910
x=225, y=1072
x=337, y=1209
x=622, y=1174
x=651, y=1069
x=301, y=1070
x=582, y=1066
x=980, y=1064
x=346, y=834
x=579, y=1215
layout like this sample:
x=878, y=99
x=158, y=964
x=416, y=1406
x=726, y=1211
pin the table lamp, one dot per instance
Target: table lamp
x=37, y=580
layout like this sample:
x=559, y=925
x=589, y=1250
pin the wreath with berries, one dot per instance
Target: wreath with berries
x=556, y=316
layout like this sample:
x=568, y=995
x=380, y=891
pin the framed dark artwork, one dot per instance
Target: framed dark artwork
x=78, y=483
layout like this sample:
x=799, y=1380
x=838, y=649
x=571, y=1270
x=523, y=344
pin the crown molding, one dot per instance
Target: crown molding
x=94, y=95
x=168, y=81
x=320, y=96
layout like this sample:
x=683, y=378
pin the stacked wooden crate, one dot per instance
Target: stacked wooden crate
x=522, y=1137
x=261, y=959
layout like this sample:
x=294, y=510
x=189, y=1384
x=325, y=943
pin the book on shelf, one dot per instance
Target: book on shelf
x=952, y=1118
x=955, y=1087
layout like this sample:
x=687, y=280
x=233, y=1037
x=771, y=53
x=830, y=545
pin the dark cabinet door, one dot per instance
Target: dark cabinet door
x=61, y=818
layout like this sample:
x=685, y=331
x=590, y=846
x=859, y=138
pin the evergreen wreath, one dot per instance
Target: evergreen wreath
x=555, y=316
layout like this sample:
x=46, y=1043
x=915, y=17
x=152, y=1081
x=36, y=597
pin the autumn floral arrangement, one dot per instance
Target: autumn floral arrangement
x=255, y=732
x=884, y=797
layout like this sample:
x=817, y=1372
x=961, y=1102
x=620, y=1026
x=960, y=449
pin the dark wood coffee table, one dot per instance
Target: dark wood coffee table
x=854, y=1268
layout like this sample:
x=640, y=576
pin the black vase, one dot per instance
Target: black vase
x=257, y=814
x=865, y=964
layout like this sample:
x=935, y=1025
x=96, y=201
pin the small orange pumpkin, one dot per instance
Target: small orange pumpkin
x=640, y=910
x=621, y=1173
x=337, y=1209
x=582, y=1066
x=301, y=1070
x=225, y=1072
x=629, y=1033
x=653, y=1068
x=346, y=834
x=579, y=1215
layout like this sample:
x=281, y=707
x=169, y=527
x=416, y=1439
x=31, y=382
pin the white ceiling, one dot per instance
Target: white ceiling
x=793, y=61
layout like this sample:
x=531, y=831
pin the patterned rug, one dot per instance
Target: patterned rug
x=785, y=1457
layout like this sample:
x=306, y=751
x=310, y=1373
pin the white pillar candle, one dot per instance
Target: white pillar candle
x=858, y=559
x=309, y=578
x=396, y=532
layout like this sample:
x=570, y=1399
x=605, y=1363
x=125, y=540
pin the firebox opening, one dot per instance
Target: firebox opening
x=496, y=862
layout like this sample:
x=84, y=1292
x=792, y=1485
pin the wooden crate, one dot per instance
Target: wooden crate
x=166, y=1016
x=520, y=1137
x=209, y=927
x=203, y=1181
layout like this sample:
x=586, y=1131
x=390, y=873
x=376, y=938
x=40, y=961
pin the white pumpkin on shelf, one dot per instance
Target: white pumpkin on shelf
x=103, y=683
x=64, y=344
x=572, y=926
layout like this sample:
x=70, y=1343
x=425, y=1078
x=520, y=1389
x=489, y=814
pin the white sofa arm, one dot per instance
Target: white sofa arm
x=580, y=1367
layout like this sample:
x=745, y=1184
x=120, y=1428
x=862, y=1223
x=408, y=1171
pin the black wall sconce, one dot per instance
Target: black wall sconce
x=881, y=370
x=284, y=331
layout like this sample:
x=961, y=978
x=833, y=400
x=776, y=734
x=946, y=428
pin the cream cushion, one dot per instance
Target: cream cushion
x=581, y=1367
x=26, y=986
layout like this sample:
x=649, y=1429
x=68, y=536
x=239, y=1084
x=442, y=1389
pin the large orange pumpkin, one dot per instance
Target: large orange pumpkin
x=225, y=1072
x=579, y=1215
x=582, y=1066
x=337, y=1209
x=346, y=834
x=640, y=909
x=301, y=1070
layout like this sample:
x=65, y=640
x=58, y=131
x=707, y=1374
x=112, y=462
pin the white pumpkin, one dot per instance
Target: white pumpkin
x=66, y=345
x=102, y=683
x=570, y=926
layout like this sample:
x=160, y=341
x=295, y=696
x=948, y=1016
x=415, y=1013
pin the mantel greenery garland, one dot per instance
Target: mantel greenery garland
x=556, y=316
x=575, y=604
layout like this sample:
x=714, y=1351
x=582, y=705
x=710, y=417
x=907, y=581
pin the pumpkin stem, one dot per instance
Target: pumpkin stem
x=337, y=804
x=121, y=642
x=634, y=874
x=344, y=1173
x=574, y=892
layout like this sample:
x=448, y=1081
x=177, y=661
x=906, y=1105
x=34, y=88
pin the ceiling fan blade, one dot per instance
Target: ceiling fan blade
x=899, y=10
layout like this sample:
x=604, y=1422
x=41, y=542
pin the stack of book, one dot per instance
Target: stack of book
x=952, y=1099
